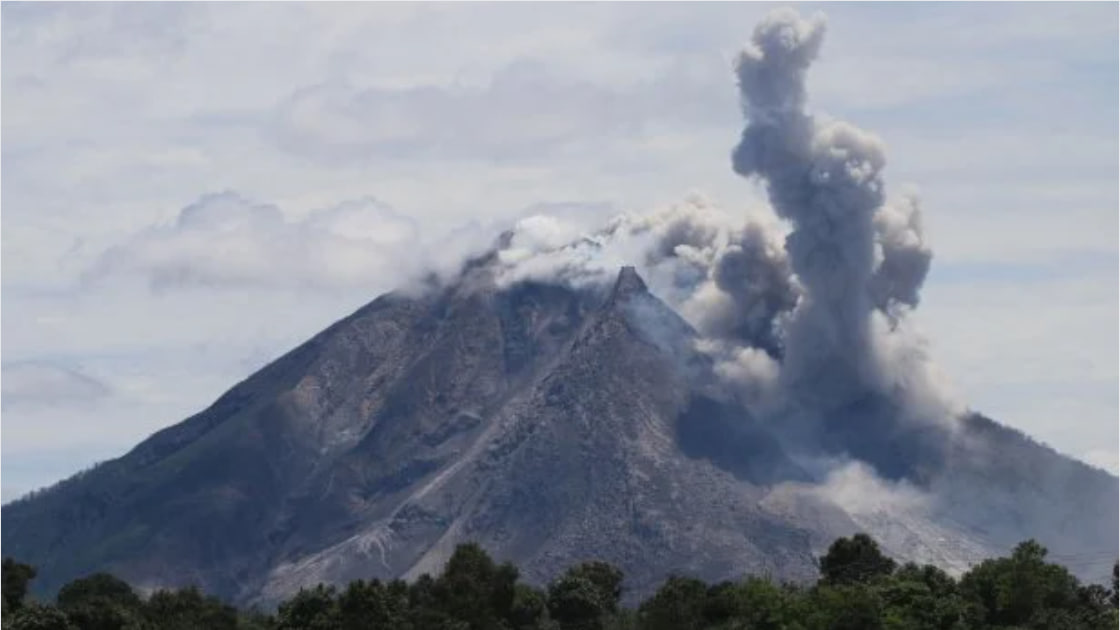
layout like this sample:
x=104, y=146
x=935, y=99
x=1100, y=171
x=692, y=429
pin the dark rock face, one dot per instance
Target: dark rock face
x=551, y=425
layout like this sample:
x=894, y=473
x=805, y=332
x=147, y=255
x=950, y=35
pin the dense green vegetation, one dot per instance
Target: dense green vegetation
x=859, y=589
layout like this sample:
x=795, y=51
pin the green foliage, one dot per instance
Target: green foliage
x=585, y=596
x=475, y=590
x=851, y=606
x=255, y=620
x=1012, y=591
x=678, y=605
x=912, y=604
x=366, y=604
x=14, y=578
x=1116, y=584
x=36, y=616
x=188, y=609
x=310, y=609
x=425, y=611
x=102, y=602
x=529, y=609
x=859, y=589
x=769, y=606
x=854, y=560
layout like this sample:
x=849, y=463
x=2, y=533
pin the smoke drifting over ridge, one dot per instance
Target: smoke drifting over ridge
x=806, y=308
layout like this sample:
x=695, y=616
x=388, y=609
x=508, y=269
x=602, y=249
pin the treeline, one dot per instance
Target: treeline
x=859, y=589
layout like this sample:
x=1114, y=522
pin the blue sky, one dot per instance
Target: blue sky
x=189, y=190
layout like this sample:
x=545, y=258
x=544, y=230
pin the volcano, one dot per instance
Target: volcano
x=551, y=425
x=760, y=397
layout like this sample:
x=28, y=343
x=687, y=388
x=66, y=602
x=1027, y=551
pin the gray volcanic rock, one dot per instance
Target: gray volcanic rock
x=551, y=425
x=583, y=462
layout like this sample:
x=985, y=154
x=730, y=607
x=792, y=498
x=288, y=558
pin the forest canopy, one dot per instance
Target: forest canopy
x=859, y=588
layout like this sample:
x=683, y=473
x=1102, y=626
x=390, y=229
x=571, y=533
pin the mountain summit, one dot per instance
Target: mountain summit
x=547, y=423
x=628, y=283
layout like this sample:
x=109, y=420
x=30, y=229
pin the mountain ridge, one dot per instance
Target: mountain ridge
x=548, y=423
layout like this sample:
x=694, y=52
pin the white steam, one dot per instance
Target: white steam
x=731, y=280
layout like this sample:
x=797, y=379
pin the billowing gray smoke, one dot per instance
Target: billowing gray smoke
x=851, y=252
x=759, y=281
x=804, y=309
x=816, y=314
x=904, y=257
x=731, y=279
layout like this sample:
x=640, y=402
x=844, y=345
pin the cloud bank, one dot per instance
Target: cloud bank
x=225, y=240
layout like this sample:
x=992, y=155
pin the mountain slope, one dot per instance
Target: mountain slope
x=583, y=462
x=551, y=425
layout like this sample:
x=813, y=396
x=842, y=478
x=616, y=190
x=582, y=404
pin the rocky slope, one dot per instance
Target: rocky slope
x=549, y=424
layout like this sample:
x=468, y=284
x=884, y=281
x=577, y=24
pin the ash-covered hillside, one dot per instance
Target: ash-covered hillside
x=690, y=391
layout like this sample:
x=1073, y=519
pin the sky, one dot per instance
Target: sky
x=187, y=191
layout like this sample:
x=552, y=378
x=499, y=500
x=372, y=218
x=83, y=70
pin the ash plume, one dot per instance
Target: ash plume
x=731, y=279
x=755, y=273
x=851, y=251
x=902, y=255
x=806, y=301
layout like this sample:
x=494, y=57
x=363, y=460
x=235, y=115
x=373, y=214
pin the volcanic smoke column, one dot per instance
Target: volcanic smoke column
x=825, y=178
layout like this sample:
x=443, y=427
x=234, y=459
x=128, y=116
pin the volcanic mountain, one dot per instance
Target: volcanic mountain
x=767, y=397
x=547, y=423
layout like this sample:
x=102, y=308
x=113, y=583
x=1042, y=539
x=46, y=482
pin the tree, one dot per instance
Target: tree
x=764, y=605
x=859, y=590
x=585, y=596
x=854, y=560
x=101, y=602
x=424, y=607
x=1094, y=608
x=472, y=588
x=36, y=616
x=939, y=583
x=677, y=605
x=920, y=598
x=254, y=619
x=309, y=609
x=398, y=601
x=943, y=607
x=606, y=580
x=14, y=578
x=1014, y=591
x=852, y=606
x=529, y=607
x=364, y=605
x=722, y=603
x=188, y=609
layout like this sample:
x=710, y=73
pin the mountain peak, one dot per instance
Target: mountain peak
x=542, y=424
x=629, y=283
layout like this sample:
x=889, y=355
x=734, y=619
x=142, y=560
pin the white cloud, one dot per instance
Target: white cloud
x=32, y=383
x=527, y=111
x=224, y=239
x=116, y=117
